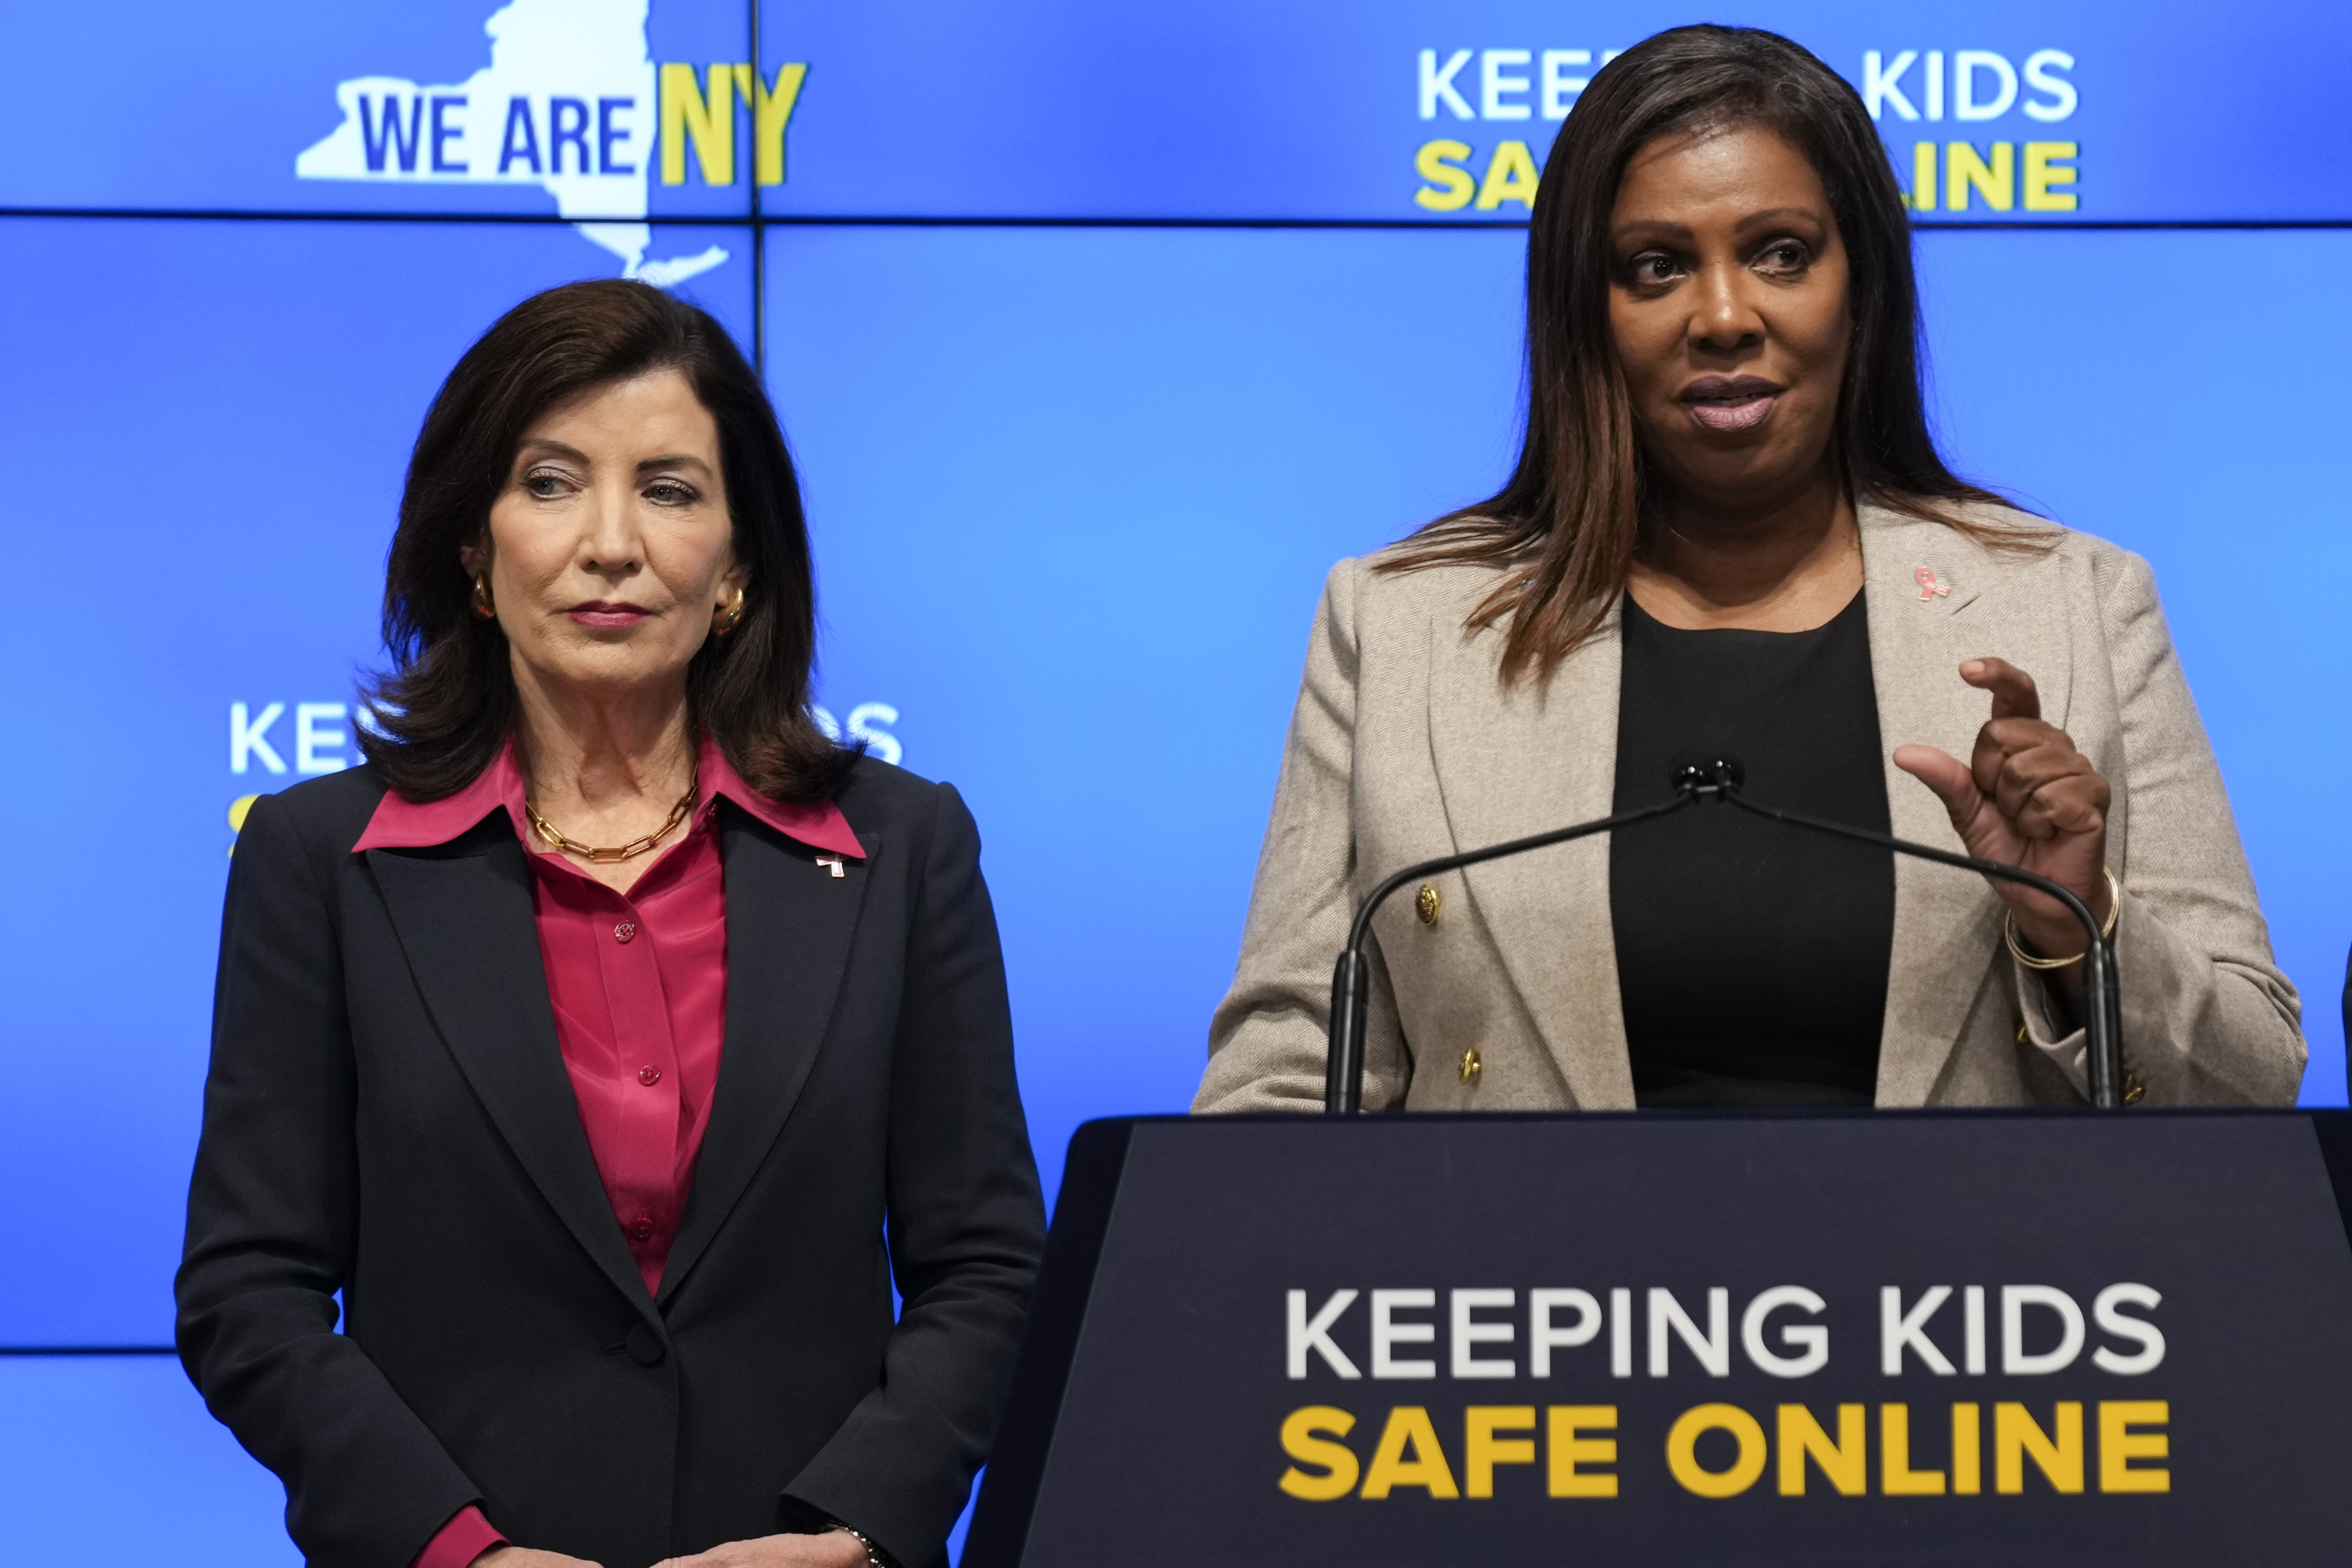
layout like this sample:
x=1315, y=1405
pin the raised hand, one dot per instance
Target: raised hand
x=2027, y=798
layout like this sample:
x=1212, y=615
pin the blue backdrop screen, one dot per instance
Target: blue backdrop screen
x=1073, y=483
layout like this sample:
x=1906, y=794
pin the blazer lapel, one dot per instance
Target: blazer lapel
x=790, y=923
x=1936, y=599
x=466, y=924
x=1518, y=761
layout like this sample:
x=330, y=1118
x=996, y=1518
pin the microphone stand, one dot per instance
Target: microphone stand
x=1720, y=780
x=2103, y=1024
x=1351, y=976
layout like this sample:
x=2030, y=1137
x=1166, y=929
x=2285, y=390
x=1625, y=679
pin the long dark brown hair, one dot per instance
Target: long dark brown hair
x=1566, y=523
x=447, y=703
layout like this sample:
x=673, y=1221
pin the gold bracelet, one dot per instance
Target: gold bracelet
x=2017, y=949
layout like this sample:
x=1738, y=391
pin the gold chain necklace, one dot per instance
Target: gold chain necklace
x=635, y=847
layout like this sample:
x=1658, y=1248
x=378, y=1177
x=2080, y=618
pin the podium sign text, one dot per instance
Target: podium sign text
x=1868, y=1338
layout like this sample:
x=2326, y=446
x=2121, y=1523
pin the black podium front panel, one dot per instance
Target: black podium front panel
x=1868, y=1338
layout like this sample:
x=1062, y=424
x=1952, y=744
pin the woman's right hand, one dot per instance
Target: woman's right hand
x=2026, y=797
x=524, y=1557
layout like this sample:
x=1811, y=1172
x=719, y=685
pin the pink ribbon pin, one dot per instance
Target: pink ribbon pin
x=1928, y=587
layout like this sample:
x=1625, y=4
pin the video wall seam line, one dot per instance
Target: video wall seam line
x=759, y=229
x=763, y=222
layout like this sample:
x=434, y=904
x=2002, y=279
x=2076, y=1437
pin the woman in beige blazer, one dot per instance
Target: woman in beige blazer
x=1730, y=515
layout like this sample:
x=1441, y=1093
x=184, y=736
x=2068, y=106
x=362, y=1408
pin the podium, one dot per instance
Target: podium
x=1815, y=1338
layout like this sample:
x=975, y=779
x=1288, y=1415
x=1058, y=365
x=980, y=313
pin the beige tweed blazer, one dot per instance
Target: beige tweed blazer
x=1404, y=746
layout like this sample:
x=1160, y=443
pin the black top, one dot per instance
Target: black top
x=1752, y=956
x=388, y=1116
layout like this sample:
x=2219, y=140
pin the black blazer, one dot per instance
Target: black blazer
x=387, y=1116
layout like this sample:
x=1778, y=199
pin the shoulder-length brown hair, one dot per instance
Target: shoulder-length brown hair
x=447, y=703
x=1568, y=519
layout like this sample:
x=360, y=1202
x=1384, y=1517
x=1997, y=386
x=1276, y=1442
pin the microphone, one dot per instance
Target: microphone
x=1351, y=976
x=1721, y=777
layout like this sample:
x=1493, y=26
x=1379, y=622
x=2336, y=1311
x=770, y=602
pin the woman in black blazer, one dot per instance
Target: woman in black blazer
x=614, y=1041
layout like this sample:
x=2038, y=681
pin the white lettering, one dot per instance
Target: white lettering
x=1965, y=65
x=1620, y=1332
x=2062, y=98
x=1493, y=84
x=1812, y=1341
x=309, y=738
x=1315, y=1334
x=1438, y=84
x=1388, y=1333
x=1543, y=1335
x=1935, y=84
x=2146, y=1335
x=1713, y=1347
x=1557, y=86
x=1898, y=1329
x=1469, y=1334
x=246, y=740
x=2015, y=1360
x=1878, y=86
x=865, y=721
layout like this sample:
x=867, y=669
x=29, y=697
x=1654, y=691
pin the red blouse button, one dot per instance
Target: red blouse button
x=650, y=1076
x=643, y=1230
x=626, y=931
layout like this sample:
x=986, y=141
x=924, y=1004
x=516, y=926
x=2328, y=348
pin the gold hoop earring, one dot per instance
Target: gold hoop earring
x=482, y=605
x=723, y=621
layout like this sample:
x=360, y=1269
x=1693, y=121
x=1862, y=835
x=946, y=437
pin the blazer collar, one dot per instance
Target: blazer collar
x=402, y=822
x=1936, y=599
x=791, y=922
x=464, y=915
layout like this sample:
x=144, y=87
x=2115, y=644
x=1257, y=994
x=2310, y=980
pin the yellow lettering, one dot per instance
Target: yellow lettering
x=1567, y=1451
x=2015, y=1435
x=1302, y=1439
x=1923, y=176
x=1409, y=1426
x=1846, y=1462
x=2041, y=174
x=772, y=111
x=1450, y=185
x=711, y=121
x=1681, y=1450
x=1896, y=1476
x=2120, y=1445
x=1510, y=177
x=1968, y=1451
x=1482, y=1450
x=1963, y=168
